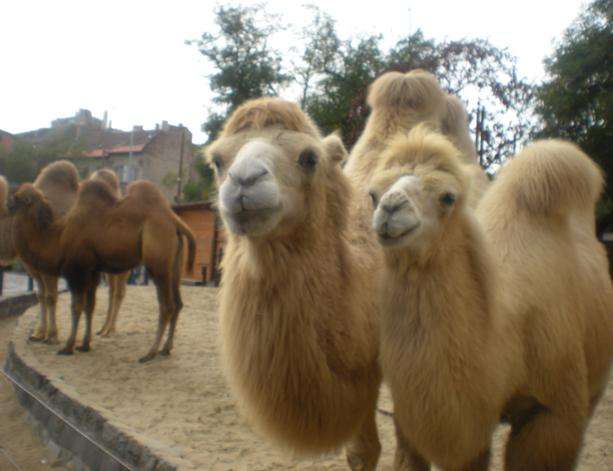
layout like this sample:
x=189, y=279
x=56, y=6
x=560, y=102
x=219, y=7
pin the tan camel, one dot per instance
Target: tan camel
x=398, y=103
x=104, y=234
x=298, y=322
x=117, y=283
x=508, y=314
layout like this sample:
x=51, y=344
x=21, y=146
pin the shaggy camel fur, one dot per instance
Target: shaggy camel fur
x=398, y=103
x=299, y=324
x=505, y=315
x=117, y=283
x=105, y=234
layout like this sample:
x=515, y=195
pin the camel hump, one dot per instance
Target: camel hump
x=418, y=90
x=59, y=182
x=455, y=125
x=147, y=194
x=96, y=193
x=553, y=177
x=109, y=177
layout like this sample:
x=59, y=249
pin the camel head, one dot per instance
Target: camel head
x=29, y=203
x=416, y=190
x=272, y=167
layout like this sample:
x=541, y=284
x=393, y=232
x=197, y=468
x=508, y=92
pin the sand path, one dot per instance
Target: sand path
x=181, y=406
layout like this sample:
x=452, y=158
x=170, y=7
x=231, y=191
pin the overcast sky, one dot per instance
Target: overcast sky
x=129, y=57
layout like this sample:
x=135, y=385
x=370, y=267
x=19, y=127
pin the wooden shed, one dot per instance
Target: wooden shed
x=204, y=222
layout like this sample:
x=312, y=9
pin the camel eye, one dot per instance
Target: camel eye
x=448, y=199
x=217, y=162
x=373, y=198
x=308, y=159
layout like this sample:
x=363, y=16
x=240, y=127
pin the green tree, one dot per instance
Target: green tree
x=245, y=64
x=576, y=100
x=334, y=75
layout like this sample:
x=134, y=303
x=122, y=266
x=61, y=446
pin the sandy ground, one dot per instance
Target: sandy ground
x=20, y=447
x=181, y=406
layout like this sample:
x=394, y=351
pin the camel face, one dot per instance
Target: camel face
x=29, y=202
x=415, y=191
x=265, y=179
x=398, y=216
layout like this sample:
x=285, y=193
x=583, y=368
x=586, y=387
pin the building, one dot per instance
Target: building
x=6, y=141
x=162, y=155
x=203, y=221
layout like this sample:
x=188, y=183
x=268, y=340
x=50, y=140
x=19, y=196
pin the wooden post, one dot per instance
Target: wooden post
x=214, y=241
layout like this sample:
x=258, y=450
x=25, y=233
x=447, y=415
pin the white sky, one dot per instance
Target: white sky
x=129, y=57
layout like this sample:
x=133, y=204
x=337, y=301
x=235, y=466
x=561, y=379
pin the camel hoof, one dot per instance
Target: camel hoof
x=36, y=338
x=147, y=357
x=52, y=341
x=165, y=352
x=83, y=348
x=65, y=351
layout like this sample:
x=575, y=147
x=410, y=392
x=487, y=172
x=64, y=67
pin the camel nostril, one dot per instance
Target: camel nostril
x=391, y=208
x=249, y=180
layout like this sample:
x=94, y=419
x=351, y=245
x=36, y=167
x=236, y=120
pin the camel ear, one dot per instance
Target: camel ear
x=44, y=216
x=335, y=148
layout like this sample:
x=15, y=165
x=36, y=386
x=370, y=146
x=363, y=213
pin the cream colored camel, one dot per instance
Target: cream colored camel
x=398, y=103
x=505, y=315
x=299, y=324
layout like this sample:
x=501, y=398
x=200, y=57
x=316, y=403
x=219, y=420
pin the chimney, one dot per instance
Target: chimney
x=165, y=126
x=105, y=120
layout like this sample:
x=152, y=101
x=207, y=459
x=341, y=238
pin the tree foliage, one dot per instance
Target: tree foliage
x=245, y=64
x=331, y=74
x=25, y=160
x=576, y=100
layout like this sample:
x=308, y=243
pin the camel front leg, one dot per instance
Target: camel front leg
x=90, y=306
x=550, y=441
x=406, y=457
x=50, y=300
x=363, y=451
x=41, y=330
x=78, y=301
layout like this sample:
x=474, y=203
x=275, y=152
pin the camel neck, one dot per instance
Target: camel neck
x=457, y=264
x=39, y=247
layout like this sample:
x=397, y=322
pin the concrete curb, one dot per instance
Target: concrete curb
x=83, y=453
x=15, y=305
x=75, y=448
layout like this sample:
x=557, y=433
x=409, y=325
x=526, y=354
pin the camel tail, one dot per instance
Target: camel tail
x=191, y=242
x=553, y=177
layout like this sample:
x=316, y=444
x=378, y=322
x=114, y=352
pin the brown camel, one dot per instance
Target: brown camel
x=59, y=183
x=299, y=324
x=102, y=233
x=508, y=314
x=117, y=283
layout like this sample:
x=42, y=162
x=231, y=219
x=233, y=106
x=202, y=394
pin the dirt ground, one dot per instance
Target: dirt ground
x=20, y=447
x=181, y=406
